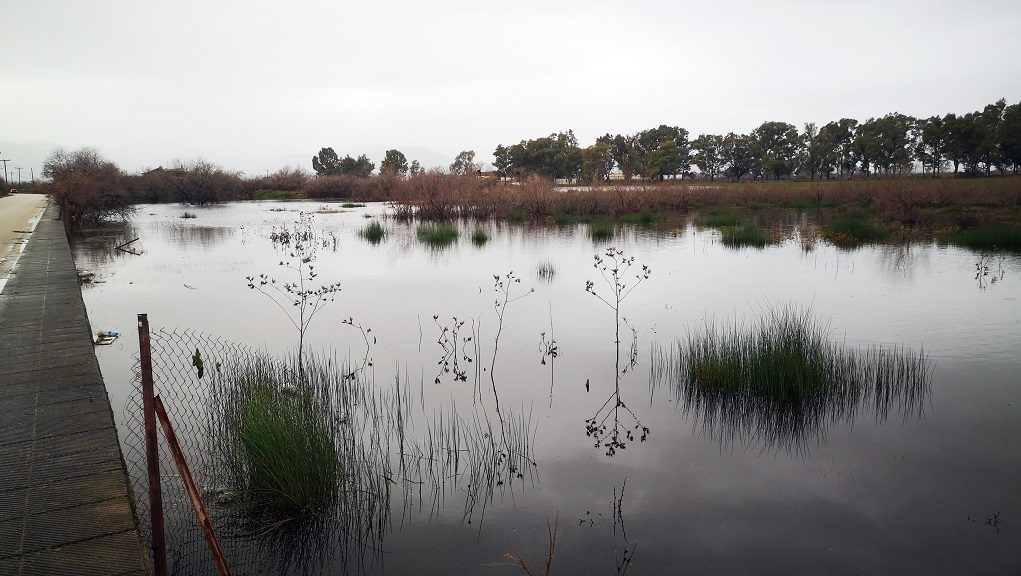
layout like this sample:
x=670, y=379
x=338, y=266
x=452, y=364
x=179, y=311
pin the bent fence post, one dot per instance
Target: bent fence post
x=192, y=489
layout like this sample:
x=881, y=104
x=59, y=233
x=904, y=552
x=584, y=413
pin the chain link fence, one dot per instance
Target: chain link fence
x=382, y=456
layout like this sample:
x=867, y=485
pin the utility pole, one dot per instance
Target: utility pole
x=18, y=168
x=5, y=161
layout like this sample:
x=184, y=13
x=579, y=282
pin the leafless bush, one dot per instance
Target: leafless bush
x=88, y=188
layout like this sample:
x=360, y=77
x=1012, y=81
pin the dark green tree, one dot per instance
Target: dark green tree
x=1010, y=136
x=931, y=146
x=326, y=162
x=709, y=154
x=737, y=155
x=361, y=167
x=664, y=151
x=776, y=147
x=596, y=162
x=465, y=163
x=394, y=163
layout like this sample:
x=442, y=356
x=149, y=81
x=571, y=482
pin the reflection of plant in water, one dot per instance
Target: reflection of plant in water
x=454, y=350
x=367, y=358
x=985, y=274
x=542, y=567
x=549, y=349
x=616, y=270
x=783, y=381
x=302, y=299
x=504, y=288
x=632, y=362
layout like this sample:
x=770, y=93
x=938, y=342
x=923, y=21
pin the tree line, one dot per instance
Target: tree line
x=976, y=143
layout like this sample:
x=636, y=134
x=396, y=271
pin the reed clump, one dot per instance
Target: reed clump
x=855, y=228
x=783, y=380
x=373, y=232
x=600, y=230
x=278, y=435
x=480, y=236
x=987, y=237
x=546, y=271
x=437, y=234
x=744, y=235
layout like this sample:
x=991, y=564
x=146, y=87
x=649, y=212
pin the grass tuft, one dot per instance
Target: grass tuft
x=280, y=438
x=373, y=232
x=545, y=271
x=855, y=228
x=437, y=235
x=990, y=237
x=717, y=218
x=643, y=218
x=480, y=236
x=783, y=380
x=744, y=235
x=189, y=215
x=600, y=230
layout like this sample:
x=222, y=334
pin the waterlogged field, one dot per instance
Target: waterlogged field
x=791, y=408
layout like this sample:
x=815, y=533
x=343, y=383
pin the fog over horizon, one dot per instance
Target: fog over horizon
x=259, y=85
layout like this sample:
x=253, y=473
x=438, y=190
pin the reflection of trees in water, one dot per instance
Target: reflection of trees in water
x=901, y=261
x=192, y=236
x=781, y=389
x=97, y=247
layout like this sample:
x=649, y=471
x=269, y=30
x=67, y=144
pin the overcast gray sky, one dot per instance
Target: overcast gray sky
x=254, y=84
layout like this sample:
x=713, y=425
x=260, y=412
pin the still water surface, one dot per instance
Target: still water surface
x=938, y=492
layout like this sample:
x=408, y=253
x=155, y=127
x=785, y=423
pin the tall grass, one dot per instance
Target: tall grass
x=856, y=227
x=744, y=235
x=545, y=271
x=783, y=380
x=989, y=237
x=438, y=234
x=600, y=230
x=373, y=232
x=480, y=236
x=279, y=437
x=717, y=218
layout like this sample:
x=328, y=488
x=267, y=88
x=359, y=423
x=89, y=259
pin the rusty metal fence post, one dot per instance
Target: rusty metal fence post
x=152, y=455
x=193, y=492
x=153, y=409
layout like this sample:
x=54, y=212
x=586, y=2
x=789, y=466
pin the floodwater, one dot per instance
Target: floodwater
x=935, y=491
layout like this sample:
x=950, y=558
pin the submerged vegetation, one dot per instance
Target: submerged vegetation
x=783, y=379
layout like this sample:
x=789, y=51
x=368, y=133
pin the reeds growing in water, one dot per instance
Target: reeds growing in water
x=373, y=232
x=437, y=235
x=783, y=381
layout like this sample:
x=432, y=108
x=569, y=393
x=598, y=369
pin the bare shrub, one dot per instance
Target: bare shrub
x=87, y=188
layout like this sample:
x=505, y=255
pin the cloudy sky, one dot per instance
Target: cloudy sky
x=255, y=85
